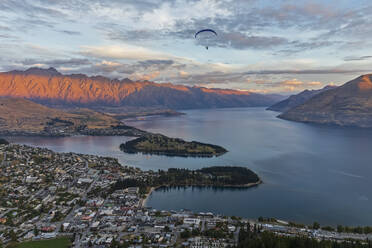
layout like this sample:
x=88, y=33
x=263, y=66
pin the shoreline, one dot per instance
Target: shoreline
x=152, y=189
x=248, y=185
x=181, y=155
x=144, y=200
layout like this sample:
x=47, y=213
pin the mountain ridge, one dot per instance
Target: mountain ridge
x=298, y=99
x=48, y=86
x=346, y=105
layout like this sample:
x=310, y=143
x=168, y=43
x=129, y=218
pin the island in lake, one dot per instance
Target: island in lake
x=162, y=145
x=216, y=176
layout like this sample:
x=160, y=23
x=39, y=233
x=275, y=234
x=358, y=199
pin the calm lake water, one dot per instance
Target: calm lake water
x=310, y=173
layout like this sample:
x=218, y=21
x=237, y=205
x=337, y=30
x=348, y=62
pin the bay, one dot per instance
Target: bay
x=310, y=173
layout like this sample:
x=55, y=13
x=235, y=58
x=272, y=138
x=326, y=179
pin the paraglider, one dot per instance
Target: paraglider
x=205, y=36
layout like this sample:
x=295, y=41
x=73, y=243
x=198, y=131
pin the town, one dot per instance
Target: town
x=46, y=195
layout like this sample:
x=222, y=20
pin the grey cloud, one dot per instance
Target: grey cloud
x=8, y=36
x=28, y=9
x=116, y=69
x=351, y=58
x=220, y=77
x=25, y=24
x=117, y=34
x=57, y=62
x=26, y=15
x=239, y=31
x=4, y=28
x=158, y=64
x=239, y=40
x=314, y=71
x=144, y=5
x=69, y=32
x=299, y=46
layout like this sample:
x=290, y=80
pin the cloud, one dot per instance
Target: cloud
x=314, y=83
x=308, y=71
x=26, y=15
x=143, y=77
x=56, y=62
x=352, y=58
x=8, y=36
x=293, y=82
x=171, y=13
x=239, y=40
x=295, y=85
x=29, y=9
x=156, y=63
x=69, y=32
x=129, y=52
x=259, y=91
x=183, y=74
x=4, y=28
x=269, y=43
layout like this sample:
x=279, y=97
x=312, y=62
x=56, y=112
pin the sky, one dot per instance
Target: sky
x=264, y=46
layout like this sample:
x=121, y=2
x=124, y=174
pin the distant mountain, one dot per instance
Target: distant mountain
x=298, y=99
x=23, y=117
x=346, y=105
x=48, y=86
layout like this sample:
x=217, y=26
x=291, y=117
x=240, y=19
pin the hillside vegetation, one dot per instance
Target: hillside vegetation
x=216, y=176
x=20, y=116
x=163, y=145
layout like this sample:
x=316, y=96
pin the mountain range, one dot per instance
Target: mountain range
x=50, y=87
x=298, y=99
x=346, y=105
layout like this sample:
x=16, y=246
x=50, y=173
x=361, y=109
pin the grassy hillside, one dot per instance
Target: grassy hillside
x=23, y=115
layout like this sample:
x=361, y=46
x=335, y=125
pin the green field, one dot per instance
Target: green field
x=55, y=243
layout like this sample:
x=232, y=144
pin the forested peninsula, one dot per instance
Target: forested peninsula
x=216, y=176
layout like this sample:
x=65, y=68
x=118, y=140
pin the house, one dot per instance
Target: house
x=133, y=190
x=191, y=221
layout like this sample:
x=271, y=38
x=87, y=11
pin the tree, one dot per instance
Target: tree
x=12, y=236
x=185, y=234
x=328, y=228
x=36, y=231
x=340, y=228
x=195, y=232
x=114, y=244
x=316, y=225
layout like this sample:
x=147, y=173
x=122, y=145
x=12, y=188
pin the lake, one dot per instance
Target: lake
x=310, y=173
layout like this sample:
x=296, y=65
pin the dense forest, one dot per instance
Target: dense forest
x=209, y=176
x=218, y=176
x=254, y=238
x=163, y=145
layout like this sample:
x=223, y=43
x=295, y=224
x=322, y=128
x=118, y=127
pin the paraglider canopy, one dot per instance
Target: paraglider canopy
x=205, y=30
x=205, y=35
